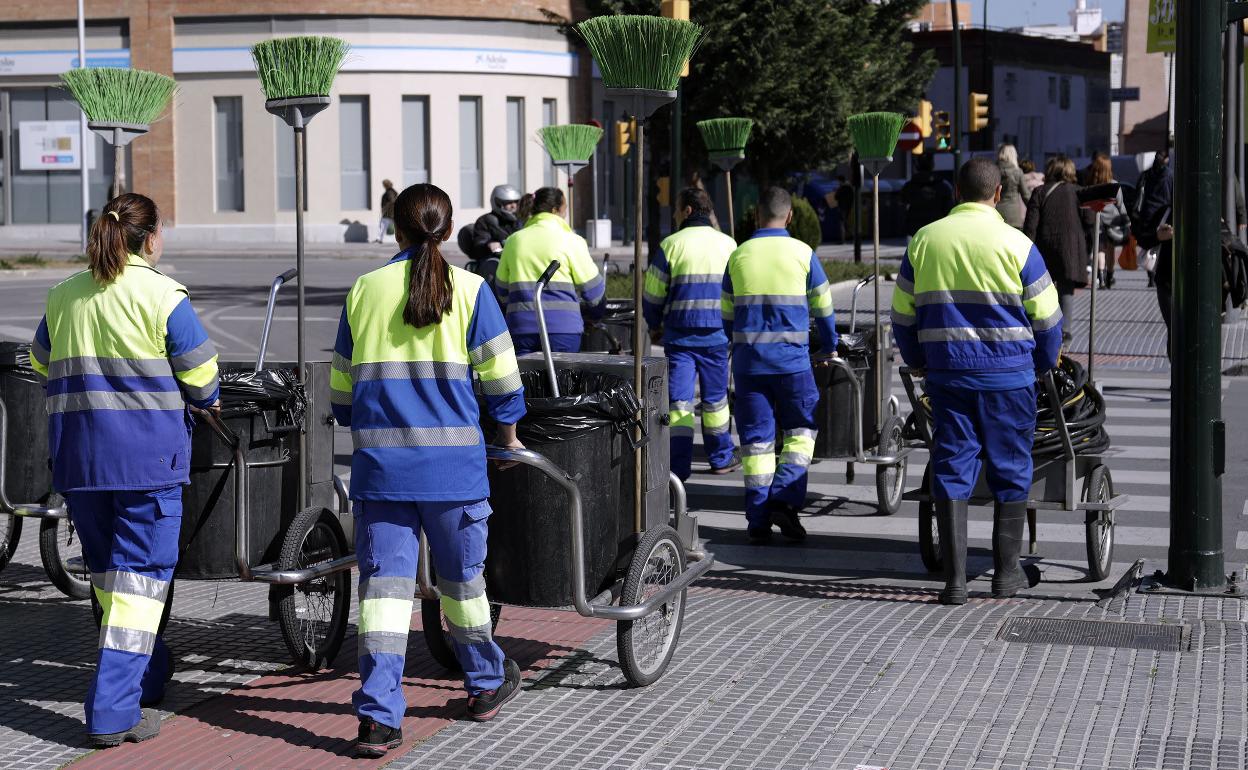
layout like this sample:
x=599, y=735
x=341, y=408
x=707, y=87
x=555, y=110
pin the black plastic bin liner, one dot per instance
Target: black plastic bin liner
x=584, y=432
x=28, y=477
x=264, y=411
x=834, y=415
x=613, y=333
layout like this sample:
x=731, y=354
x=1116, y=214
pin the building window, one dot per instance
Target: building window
x=354, y=153
x=286, y=169
x=1011, y=86
x=550, y=116
x=470, y=192
x=1065, y=100
x=1052, y=90
x=515, y=142
x=229, y=151
x=415, y=140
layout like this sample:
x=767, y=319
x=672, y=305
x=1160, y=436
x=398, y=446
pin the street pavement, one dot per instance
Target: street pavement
x=828, y=654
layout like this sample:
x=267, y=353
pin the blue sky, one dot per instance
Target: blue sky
x=1016, y=13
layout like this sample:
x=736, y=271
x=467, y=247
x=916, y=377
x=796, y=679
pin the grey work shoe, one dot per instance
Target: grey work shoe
x=148, y=727
x=1008, y=577
x=951, y=521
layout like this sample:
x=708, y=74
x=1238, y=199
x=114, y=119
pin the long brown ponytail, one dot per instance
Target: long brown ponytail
x=422, y=213
x=121, y=229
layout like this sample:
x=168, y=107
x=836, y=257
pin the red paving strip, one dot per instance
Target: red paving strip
x=306, y=721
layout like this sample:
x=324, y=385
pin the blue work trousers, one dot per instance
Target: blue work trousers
x=559, y=343
x=387, y=543
x=990, y=430
x=130, y=543
x=687, y=369
x=762, y=401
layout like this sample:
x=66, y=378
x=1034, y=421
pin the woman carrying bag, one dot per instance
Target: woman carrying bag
x=1057, y=226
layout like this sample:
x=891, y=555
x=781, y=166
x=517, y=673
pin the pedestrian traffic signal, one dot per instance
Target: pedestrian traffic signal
x=924, y=118
x=623, y=136
x=941, y=128
x=977, y=112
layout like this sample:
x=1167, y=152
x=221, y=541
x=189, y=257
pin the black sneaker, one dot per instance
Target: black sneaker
x=376, y=739
x=147, y=728
x=484, y=707
x=785, y=517
x=733, y=464
x=760, y=534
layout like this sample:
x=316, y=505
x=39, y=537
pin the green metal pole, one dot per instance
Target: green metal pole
x=955, y=119
x=1197, y=433
x=677, y=177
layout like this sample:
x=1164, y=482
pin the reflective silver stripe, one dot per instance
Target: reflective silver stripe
x=1045, y=324
x=95, y=399
x=199, y=392
x=552, y=286
x=717, y=406
x=682, y=406
x=695, y=304
x=801, y=432
x=592, y=283
x=383, y=643
x=754, y=450
x=377, y=438
x=501, y=387
x=905, y=285
x=132, y=583
x=967, y=297
x=127, y=640
x=715, y=430
x=759, y=481
x=762, y=338
x=462, y=591
x=771, y=299
x=387, y=588
x=409, y=370
x=681, y=431
x=474, y=635
x=97, y=581
x=795, y=458
x=658, y=274
x=818, y=290
x=1037, y=287
x=655, y=299
x=490, y=349
x=109, y=367
x=903, y=319
x=341, y=363
x=340, y=397
x=40, y=353
x=547, y=306
x=680, y=280
x=971, y=334
x=193, y=358
x=821, y=312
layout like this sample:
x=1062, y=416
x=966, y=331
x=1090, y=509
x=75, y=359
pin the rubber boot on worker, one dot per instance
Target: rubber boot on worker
x=951, y=522
x=1008, y=577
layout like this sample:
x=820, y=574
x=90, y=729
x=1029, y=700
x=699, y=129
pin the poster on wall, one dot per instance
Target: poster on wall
x=1161, y=26
x=51, y=145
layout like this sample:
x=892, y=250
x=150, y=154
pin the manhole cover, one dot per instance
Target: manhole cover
x=1094, y=633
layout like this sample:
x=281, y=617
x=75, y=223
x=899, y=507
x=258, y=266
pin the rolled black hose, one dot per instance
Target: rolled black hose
x=1082, y=405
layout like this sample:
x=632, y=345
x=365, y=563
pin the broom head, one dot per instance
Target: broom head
x=726, y=137
x=573, y=143
x=290, y=67
x=112, y=95
x=647, y=52
x=875, y=133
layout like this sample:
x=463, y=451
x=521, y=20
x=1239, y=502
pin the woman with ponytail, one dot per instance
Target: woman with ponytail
x=412, y=335
x=125, y=357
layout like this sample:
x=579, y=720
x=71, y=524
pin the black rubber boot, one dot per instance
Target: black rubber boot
x=951, y=521
x=1007, y=546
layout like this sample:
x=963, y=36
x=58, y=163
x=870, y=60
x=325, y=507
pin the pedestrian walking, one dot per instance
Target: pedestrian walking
x=976, y=309
x=124, y=355
x=682, y=309
x=772, y=289
x=577, y=285
x=1056, y=225
x=412, y=334
x=1014, y=191
x=1031, y=178
x=388, y=197
x=926, y=196
x=1114, y=223
x=1153, y=201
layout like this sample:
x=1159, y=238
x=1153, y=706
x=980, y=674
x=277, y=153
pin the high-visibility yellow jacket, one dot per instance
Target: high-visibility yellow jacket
x=683, y=285
x=526, y=255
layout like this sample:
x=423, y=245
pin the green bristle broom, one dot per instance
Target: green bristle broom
x=641, y=59
x=725, y=140
x=297, y=75
x=120, y=105
x=570, y=148
x=875, y=138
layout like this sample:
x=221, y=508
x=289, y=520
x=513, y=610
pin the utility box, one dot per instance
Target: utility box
x=598, y=233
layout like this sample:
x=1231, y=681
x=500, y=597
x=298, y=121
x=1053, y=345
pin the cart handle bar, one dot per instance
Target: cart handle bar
x=542, y=282
x=21, y=509
x=285, y=277
x=853, y=305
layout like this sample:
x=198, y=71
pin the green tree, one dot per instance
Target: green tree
x=799, y=68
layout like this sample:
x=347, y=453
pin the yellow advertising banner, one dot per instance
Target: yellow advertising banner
x=1161, y=26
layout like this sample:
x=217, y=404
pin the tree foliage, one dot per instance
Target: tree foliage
x=799, y=68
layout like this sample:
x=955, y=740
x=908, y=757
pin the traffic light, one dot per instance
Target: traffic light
x=941, y=130
x=924, y=118
x=676, y=9
x=623, y=136
x=977, y=112
x=664, y=184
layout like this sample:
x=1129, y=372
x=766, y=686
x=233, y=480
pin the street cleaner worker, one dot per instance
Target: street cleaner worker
x=412, y=334
x=975, y=308
x=773, y=286
x=527, y=253
x=682, y=298
x=124, y=356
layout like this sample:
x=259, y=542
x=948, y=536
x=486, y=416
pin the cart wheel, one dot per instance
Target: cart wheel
x=890, y=480
x=438, y=636
x=929, y=534
x=1099, y=525
x=10, y=534
x=646, y=645
x=60, y=550
x=313, y=615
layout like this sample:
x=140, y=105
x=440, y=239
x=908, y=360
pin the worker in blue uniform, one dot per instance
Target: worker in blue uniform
x=577, y=287
x=412, y=335
x=975, y=308
x=774, y=285
x=124, y=356
x=682, y=303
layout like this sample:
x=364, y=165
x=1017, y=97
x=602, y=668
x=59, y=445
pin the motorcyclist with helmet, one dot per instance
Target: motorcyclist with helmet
x=483, y=241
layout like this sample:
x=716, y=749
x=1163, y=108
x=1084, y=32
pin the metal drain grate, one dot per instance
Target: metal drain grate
x=1095, y=633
